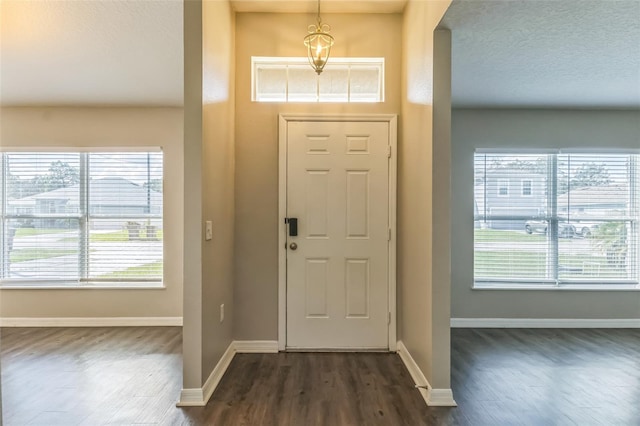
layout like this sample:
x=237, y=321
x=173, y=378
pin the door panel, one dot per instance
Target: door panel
x=338, y=277
x=357, y=204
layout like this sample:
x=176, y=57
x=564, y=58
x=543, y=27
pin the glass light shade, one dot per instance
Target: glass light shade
x=318, y=43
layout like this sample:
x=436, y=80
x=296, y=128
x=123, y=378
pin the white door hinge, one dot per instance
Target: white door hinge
x=389, y=151
x=389, y=237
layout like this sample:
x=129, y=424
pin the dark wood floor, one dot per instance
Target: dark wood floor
x=128, y=376
x=547, y=376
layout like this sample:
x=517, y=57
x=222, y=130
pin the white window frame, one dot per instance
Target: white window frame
x=501, y=184
x=286, y=63
x=553, y=218
x=522, y=184
x=84, y=216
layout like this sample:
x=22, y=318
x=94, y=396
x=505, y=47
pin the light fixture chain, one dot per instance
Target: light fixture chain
x=318, y=43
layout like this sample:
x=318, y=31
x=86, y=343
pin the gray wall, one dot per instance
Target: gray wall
x=473, y=129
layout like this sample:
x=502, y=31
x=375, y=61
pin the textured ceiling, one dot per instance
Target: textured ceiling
x=91, y=52
x=565, y=54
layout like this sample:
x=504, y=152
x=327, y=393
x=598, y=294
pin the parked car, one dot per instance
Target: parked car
x=565, y=230
x=584, y=228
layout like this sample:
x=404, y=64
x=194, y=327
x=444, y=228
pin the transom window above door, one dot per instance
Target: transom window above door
x=344, y=80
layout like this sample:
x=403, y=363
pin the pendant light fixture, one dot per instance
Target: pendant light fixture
x=318, y=43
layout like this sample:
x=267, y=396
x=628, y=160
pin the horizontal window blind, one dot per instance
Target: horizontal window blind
x=556, y=218
x=503, y=250
x=78, y=217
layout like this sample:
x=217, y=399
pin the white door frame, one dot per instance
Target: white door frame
x=392, y=119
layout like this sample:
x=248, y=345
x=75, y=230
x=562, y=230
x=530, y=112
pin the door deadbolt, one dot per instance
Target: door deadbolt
x=293, y=246
x=293, y=226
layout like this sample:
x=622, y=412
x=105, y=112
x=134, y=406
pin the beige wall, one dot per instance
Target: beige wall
x=256, y=250
x=218, y=170
x=208, y=186
x=421, y=326
x=105, y=127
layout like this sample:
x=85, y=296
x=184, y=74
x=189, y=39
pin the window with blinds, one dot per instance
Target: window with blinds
x=343, y=80
x=74, y=218
x=556, y=218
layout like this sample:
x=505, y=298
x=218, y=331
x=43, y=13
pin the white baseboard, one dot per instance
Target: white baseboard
x=256, y=346
x=92, y=322
x=199, y=397
x=440, y=398
x=191, y=398
x=543, y=323
x=432, y=397
x=216, y=375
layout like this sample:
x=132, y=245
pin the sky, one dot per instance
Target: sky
x=129, y=165
x=615, y=164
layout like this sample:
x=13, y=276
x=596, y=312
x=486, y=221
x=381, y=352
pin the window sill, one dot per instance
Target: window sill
x=85, y=286
x=562, y=287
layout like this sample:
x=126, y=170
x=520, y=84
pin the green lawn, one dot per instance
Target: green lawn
x=523, y=263
x=496, y=235
x=117, y=236
x=24, y=255
x=121, y=236
x=585, y=266
x=27, y=232
x=510, y=264
x=149, y=270
x=114, y=237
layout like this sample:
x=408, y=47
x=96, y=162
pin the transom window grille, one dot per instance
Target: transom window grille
x=77, y=217
x=293, y=80
x=575, y=221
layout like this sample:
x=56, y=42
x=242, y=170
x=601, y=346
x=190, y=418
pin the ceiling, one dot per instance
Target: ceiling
x=506, y=53
x=91, y=52
x=545, y=54
x=328, y=6
x=104, y=52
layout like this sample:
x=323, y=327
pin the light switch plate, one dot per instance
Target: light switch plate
x=208, y=233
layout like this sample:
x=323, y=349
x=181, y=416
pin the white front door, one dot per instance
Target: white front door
x=337, y=273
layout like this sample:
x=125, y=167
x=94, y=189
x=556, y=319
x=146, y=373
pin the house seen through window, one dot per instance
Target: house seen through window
x=575, y=220
x=70, y=218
